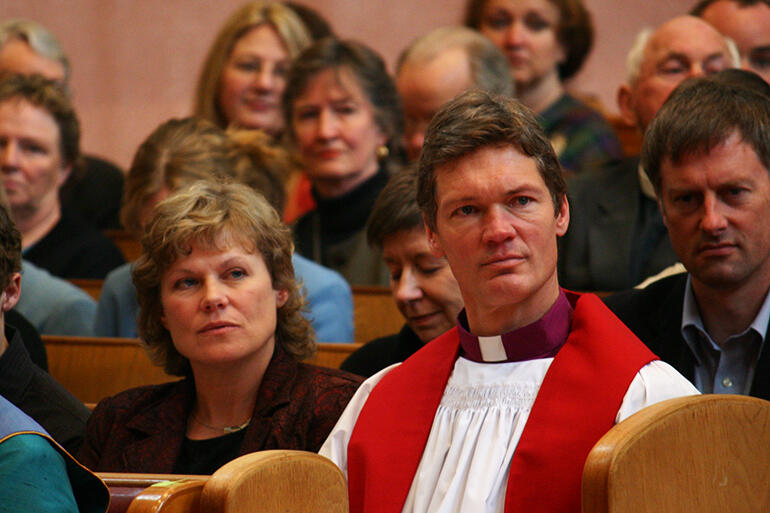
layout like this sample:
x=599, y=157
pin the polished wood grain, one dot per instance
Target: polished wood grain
x=707, y=453
x=276, y=482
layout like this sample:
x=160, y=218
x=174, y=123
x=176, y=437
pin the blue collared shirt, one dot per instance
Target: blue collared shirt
x=728, y=369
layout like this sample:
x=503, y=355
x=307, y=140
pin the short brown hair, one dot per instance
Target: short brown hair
x=395, y=209
x=281, y=18
x=575, y=31
x=702, y=113
x=475, y=120
x=368, y=70
x=203, y=213
x=51, y=97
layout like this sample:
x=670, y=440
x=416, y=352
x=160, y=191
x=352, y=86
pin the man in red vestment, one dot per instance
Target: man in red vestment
x=500, y=412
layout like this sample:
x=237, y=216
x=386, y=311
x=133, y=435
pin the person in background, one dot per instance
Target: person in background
x=422, y=284
x=39, y=148
x=181, y=151
x=747, y=22
x=344, y=119
x=95, y=188
x=438, y=66
x=546, y=42
x=218, y=305
x=23, y=383
x=708, y=156
x=617, y=237
x=244, y=73
x=38, y=474
x=244, y=76
x=498, y=413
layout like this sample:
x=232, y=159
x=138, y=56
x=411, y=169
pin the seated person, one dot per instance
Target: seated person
x=438, y=66
x=546, y=43
x=23, y=383
x=499, y=412
x=617, y=237
x=344, y=118
x=713, y=179
x=180, y=152
x=422, y=283
x=39, y=136
x=219, y=306
x=38, y=475
x=94, y=188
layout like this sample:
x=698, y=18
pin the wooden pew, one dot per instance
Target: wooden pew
x=126, y=243
x=153, y=490
x=92, y=287
x=705, y=453
x=92, y=368
x=374, y=313
x=274, y=481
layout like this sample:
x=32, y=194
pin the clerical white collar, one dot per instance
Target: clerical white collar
x=541, y=339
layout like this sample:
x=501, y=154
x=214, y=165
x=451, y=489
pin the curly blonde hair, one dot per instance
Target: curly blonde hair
x=216, y=215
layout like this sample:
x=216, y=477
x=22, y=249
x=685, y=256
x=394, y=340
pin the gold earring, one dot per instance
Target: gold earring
x=382, y=152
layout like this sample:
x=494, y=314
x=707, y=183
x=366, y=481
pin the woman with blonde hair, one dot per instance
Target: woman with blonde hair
x=244, y=73
x=218, y=305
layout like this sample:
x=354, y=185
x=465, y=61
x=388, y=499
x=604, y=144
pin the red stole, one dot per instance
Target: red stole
x=576, y=404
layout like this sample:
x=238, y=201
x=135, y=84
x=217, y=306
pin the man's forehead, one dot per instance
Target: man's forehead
x=472, y=167
x=684, y=35
x=438, y=79
x=702, y=158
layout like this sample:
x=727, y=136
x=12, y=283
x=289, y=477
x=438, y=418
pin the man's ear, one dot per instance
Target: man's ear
x=433, y=243
x=11, y=293
x=562, y=218
x=626, y=105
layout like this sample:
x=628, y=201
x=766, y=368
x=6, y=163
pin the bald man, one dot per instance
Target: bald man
x=617, y=236
x=440, y=65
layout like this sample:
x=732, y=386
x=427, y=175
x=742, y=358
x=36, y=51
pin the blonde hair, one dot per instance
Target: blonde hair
x=216, y=215
x=281, y=18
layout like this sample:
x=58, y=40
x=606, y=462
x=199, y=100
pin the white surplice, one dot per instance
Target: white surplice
x=464, y=467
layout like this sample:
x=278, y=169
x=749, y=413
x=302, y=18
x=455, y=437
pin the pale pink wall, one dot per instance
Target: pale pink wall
x=135, y=62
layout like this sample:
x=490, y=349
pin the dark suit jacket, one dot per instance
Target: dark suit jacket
x=597, y=250
x=37, y=394
x=142, y=429
x=654, y=314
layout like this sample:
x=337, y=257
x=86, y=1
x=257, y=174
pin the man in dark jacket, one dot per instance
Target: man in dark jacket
x=708, y=157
